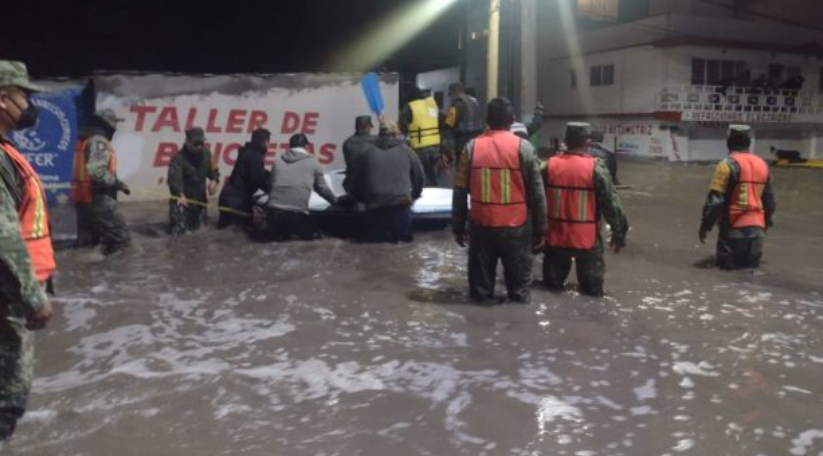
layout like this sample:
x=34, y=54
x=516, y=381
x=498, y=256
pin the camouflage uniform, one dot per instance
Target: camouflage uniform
x=99, y=221
x=736, y=247
x=187, y=176
x=20, y=292
x=590, y=265
x=512, y=246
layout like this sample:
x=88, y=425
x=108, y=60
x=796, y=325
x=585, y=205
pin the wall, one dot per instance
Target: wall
x=158, y=109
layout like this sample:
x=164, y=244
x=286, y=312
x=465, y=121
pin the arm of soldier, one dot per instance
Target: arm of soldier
x=535, y=190
x=609, y=205
x=175, y=177
x=321, y=186
x=715, y=200
x=537, y=120
x=460, y=205
x=213, y=174
x=769, y=204
x=99, y=155
x=16, y=272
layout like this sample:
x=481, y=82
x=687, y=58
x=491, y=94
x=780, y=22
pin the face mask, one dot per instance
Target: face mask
x=28, y=116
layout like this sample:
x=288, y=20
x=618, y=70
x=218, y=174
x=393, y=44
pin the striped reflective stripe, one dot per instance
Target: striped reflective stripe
x=486, y=181
x=505, y=186
x=744, y=196
x=583, y=212
x=38, y=228
x=557, y=195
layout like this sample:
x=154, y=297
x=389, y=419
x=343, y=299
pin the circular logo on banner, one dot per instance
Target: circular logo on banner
x=52, y=127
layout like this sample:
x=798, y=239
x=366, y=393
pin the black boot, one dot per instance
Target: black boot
x=8, y=422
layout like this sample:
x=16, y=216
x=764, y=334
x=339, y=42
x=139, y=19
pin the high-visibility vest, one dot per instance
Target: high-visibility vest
x=572, y=204
x=745, y=202
x=81, y=185
x=498, y=193
x=33, y=216
x=424, y=130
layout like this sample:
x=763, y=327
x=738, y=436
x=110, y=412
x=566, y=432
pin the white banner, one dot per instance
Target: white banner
x=159, y=108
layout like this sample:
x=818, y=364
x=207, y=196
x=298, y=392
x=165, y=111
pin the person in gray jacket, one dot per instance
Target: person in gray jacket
x=293, y=176
x=387, y=178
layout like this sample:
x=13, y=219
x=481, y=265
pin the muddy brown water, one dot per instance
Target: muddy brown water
x=212, y=345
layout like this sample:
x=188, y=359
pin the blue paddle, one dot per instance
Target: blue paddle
x=371, y=89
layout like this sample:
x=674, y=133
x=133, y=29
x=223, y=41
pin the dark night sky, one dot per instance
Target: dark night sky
x=74, y=38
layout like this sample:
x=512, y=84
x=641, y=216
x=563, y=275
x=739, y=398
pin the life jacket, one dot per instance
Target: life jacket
x=745, y=201
x=572, y=204
x=498, y=193
x=471, y=123
x=81, y=184
x=33, y=216
x=424, y=130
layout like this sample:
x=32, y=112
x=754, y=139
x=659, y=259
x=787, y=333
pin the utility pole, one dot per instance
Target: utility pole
x=494, y=49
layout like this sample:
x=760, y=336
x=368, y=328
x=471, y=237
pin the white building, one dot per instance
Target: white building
x=664, y=78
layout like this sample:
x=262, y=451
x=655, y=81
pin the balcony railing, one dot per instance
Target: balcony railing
x=745, y=101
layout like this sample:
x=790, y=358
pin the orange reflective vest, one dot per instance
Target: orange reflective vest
x=498, y=193
x=745, y=202
x=572, y=204
x=34, y=219
x=81, y=185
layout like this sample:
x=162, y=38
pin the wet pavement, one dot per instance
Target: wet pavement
x=211, y=345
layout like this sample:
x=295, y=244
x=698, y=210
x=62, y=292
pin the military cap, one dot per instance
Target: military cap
x=578, y=131
x=109, y=116
x=739, y=130
x=14, y=73
x=362, y=122
x=195, y=134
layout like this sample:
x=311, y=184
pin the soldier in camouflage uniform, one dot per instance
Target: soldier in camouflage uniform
x=501, y=173
x=95, y=186
x=23, y=303
x=189, y=171
x=741, y=202
x=579, y=191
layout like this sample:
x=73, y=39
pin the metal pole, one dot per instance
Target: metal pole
x=494, y=49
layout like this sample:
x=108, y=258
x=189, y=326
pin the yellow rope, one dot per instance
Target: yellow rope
x=191, y=201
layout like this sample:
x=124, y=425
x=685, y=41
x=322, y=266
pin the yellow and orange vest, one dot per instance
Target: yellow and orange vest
x=745, y=202
x=572, y=204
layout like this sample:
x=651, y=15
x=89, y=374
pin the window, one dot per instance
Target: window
x=601, y=75
x=719, y=72
x=598, y=10
x=572, y=79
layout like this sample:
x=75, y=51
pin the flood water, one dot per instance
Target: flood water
x=212, y=345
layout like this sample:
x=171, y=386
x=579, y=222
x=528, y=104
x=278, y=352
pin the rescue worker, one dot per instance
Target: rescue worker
x=361, y=140
x=189, y=171
x=464, y=120
x=388, y=179
x=26, y=255
x=420, y=122
x=248, y=176
x=95, y=186
x=579, y=190
x=741, y=202
x=294, y=175
x=507, y=220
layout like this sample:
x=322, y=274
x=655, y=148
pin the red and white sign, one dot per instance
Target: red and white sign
x=158, y=109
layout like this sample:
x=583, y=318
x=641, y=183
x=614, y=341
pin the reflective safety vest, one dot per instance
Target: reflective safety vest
x=34, y=219
x=745, y=202
x=471, y=122
x=424, y=130
x=81, y=185
x=498, y=193
x=572, y=204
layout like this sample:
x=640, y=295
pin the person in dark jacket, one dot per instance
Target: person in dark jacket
x=294, y=175
x=248, y=176
x=388, y=178
x=362, y=138
x=192, y=174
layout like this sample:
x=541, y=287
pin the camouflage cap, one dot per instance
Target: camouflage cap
x=14, y=73
x=109, y=116
x=578, y=131
x=195, y=134
x=739, y=130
